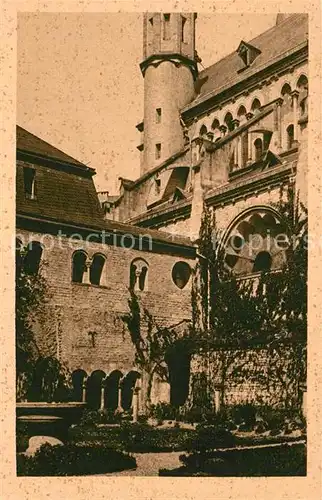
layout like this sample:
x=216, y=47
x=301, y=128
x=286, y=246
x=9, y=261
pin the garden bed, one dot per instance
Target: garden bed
x=283, y=460
x=73, y=460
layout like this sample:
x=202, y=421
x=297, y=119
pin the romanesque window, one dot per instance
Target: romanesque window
x=229, y=122
x=79, y=266
x=33, y=257
x=256, y=105
x=203, y=131
x=290, y=136
x=138, y=275
x=158, y=151
x=29, y=177
x=166, y=26
x=181, y=272
x=258, y=144
x=96, y=269
x=303, y=88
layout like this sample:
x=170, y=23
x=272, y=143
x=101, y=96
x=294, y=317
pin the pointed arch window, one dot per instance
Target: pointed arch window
x=96, y=269
x=183, y=29
x=79, y=266
x=290, y=136
x=258, y=143
x=166, y=26
x=138, y=275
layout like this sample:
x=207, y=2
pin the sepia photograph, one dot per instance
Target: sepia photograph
x=161, y=246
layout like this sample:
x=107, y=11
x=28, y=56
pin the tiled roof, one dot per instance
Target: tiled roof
x=274, y=44
x=29, y=143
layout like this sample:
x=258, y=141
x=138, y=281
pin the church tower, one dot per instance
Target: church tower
x=169, y=70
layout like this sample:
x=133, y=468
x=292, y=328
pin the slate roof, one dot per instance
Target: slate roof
x=29, y=143
x=274, y=44
x=67, y=197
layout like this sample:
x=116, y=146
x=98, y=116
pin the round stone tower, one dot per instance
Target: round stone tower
x=169, y=69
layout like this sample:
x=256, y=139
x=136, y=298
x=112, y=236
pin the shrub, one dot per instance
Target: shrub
x=73, y=460
x=163, y=411
x=208, y=437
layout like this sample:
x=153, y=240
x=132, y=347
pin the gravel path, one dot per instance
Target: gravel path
x=148, y=464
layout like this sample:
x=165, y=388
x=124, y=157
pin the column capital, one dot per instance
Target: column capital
x=279, y=101
x=249, y=115
x=235, y=123
x=295, y=93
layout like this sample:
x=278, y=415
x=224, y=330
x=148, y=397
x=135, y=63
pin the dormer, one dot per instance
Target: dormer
x=247, y=53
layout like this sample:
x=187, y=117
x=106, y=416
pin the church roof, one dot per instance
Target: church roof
x=273, y=45
x=30, y=144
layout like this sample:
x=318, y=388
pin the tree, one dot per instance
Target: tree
x=234, y=318
x=155, y=345
x=38, y=377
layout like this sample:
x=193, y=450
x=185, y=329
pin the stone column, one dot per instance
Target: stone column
x=119, y=408
x=279, y=103
x=218, y=391
x=235, y=124
x=86, y=279
x=295, y=95
x=84, y=385
x=102, y=404
x=135, y=403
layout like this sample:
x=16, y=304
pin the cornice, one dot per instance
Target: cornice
x=159, y=216
x=177, y=59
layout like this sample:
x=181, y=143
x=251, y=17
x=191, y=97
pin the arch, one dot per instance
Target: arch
x=256, y=105
x=241, y=111
x=229, y=121
x=78, y=265
x=286, y=89
x=303, y=87
x=111, y=390
x=93, y=389
x=290, y=136
x=181, y=273
x=78, y=377
x=258, y=144
x=128, y=384
x=215, y=124
x=33, y=257
x=96, y=268
x=255, y=231
x=302, y=81
x=203, y=130
x=138, y=274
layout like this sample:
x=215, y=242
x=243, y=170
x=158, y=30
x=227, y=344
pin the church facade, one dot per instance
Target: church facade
x=228, y=137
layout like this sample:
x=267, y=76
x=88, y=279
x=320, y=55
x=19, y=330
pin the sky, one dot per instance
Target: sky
x=79, y=86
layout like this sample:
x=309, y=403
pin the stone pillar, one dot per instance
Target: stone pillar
x=295, y=95
x=84, y=385
x=102, y=404
x=135, y=403
x=235, y=124
x=218, y=390
x=119, y=408
x=86, y=279
x=279, y=103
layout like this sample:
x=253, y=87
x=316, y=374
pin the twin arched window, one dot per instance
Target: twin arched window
x=87, y=270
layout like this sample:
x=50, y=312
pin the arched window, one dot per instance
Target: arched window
x=79, y=266
x=203, y=130
x=303, y=87
x=290, y=136
x=215, y=124
x=96, y=269
x=183, y=29
x=181, y=272
x=258, y=143
x=286, y=94
x=138, y=275
x=263, y=262
x=33, y=257
x=229, y=122
x=256, y=106
x=241, y=114
x=166, y=27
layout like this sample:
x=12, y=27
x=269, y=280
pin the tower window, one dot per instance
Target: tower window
x=138, y=275
x=29, y=175
x=158, y=151
x=290, y=136
x=166, y=26
x=151, y=21
x=258, y=148
x=158, y=115
x=33, y=258
x=183, y=30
